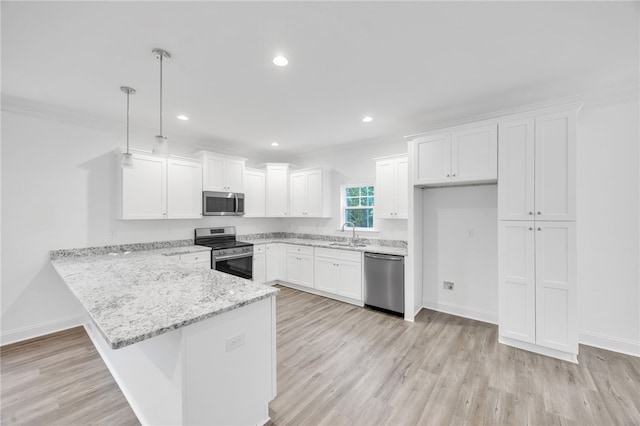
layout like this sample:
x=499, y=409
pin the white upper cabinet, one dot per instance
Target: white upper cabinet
x=309, y=194
x=391, y=187
x=222, y=172
x=184, y=189
x=143, y=188
x=467, y=155
x=537, y=168
x=277, y=190
x=160, y=188
x=254, y=193
x=555, y=166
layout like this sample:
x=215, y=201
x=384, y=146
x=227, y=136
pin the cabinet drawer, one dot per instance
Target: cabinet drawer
x=308, y=250
x=353, y=256
x=201, y=257
x=258, y=248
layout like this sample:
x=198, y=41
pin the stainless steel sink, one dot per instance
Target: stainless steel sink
x=347, y=245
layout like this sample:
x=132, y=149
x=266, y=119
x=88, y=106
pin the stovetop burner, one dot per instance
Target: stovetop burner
x=218, y=238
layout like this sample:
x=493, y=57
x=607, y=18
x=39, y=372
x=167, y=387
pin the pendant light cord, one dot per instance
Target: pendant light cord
x=161, y=95
x=128, y=92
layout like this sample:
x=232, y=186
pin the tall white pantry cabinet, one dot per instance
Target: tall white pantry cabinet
x=537, y=236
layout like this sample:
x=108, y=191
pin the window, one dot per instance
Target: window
x=357, y=205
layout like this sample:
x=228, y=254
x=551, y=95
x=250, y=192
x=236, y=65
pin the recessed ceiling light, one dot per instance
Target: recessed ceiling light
x=182, y=117
x=275, y=144
x=367, y=119
x=280, y=61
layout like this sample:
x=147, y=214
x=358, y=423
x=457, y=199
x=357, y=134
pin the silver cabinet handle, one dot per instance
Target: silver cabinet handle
x=448, y=176
x=539, y=212
x=539, y=229
x=454, y=175
x=530, y=213
x=530, y=229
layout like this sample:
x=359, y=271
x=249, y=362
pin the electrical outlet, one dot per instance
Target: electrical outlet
x=447, y=285
x=235, y=342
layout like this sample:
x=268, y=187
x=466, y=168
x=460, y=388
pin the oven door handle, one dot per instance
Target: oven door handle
x=231, y=256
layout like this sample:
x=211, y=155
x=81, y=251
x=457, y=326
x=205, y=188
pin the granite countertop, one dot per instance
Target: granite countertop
x=133, y=296
x=373, y=248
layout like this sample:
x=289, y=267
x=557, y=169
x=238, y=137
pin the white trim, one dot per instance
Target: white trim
x=462, y=311
x=554, y=353
x=615, y=344
x=41, y=329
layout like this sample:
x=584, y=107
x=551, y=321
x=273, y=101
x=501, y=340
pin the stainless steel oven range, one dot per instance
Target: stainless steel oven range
x=227, y=254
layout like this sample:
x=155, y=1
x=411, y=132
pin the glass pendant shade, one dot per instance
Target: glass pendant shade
x=127, y=160
x=161, y=146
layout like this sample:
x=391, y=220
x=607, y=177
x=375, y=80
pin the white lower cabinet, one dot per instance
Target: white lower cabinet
x=537, y=286
x=299, y=265
x=275, y=262
x=339, y=272
x=259, y=263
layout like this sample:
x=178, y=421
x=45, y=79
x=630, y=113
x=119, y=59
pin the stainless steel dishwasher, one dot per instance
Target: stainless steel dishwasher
x=384, y=282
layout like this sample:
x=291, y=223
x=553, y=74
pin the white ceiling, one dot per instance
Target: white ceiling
x=407, y=64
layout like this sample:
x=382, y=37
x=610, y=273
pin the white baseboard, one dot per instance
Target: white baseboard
x=565, y=356
x=462, y=311
x=42, y=329
x=624, y=346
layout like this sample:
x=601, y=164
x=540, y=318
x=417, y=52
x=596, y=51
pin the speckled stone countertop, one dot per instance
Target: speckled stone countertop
x=133, y=296
x=368, y=247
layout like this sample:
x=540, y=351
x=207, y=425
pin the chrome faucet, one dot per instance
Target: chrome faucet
x=353, y=227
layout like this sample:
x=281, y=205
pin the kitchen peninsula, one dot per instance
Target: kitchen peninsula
x=186, y=344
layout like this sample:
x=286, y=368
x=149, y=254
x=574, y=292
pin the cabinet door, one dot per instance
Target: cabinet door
x=326, y=278
x=350, y=279
x=556, y=298
x=254, y=191
x=517, y=289
x=474, y=155
x=402, y=188
x=277, y=197
x=298, y=194
x=144, y=188
x=275, y=262
x=385, y=189
x=259, y=268
x=213, y=174
x=306, y=271
x=234, y=175
x=516, y=170
x=184, y=189
x=294, y=268
x=315, y=194
x=555, y=166
x=434, y=159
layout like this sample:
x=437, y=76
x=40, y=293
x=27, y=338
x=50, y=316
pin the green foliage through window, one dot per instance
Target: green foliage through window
x=359, y=201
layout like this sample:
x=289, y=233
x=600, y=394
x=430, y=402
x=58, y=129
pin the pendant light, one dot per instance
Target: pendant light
x=161, y=146
x=127, y=158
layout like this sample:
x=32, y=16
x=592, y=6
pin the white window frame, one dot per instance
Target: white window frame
x=343, y=205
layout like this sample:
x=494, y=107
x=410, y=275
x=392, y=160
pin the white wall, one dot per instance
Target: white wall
x=608, y=211
x=57, y=192
x=460, y=244
x=353, y=164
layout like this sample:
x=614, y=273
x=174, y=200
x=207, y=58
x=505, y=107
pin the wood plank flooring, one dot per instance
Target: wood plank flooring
x=59, y=379
x=341, y=364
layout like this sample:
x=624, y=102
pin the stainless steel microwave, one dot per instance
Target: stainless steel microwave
x=222, y=203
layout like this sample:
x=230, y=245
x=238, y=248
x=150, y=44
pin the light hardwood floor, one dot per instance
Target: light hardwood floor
x=340, y=364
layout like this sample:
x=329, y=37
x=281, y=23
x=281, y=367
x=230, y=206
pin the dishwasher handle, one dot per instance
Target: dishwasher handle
x=383, y=256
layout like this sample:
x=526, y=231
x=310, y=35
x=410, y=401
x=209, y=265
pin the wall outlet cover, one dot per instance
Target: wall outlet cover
x=447, y=285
